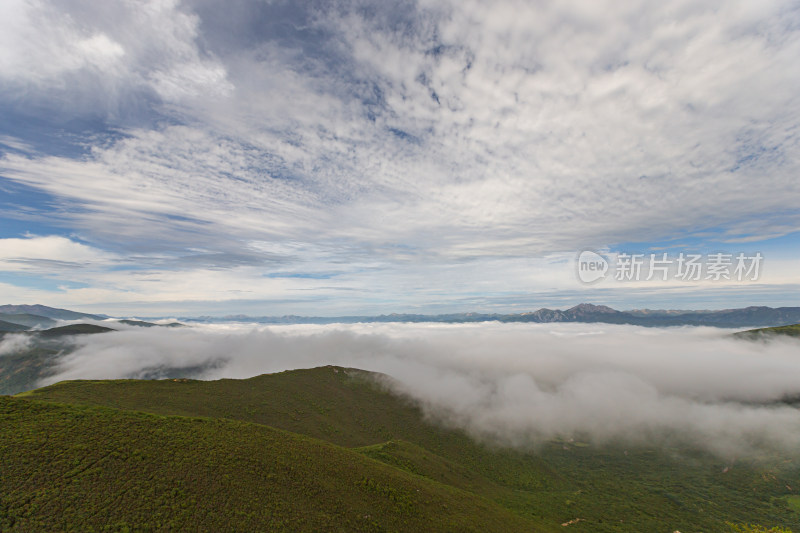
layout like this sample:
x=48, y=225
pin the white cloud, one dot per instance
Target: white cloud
x=93, y=57
x=562, y=118
x=511, y=383
x=447, y=134
x=12, y=344
x=49, y=254
x=38, y=43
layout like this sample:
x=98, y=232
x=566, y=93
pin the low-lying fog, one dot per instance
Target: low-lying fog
x=511, y=383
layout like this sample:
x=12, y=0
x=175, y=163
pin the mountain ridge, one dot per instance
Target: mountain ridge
x=45, y=311
x=752, y=316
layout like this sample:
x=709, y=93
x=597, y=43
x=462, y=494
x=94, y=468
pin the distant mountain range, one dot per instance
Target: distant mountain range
x=729, y=318
x=40, y=319
x=18, y=318
x=22, y=317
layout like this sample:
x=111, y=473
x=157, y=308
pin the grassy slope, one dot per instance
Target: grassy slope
x=91, y=469
x=765, y=333
x=610, y=489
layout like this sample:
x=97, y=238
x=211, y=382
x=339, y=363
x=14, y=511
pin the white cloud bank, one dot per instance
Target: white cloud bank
x=515, y=384
x=50, y=253
x=12, y=344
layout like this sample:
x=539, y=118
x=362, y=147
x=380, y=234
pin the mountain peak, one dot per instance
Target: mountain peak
x=591, y=308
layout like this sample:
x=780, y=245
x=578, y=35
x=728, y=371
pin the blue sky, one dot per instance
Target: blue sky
x=322, y=158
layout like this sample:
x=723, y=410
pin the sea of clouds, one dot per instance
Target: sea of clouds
x=511, y=384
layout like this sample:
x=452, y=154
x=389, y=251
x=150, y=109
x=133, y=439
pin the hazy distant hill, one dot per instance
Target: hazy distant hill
x=748, y=316
x=728, y=318
x=27, y=319
x=73, y=329
x=143, y=324
x=49, y=312
x=73, y=467
x=11, y=327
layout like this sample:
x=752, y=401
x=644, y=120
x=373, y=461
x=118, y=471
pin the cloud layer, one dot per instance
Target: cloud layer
x=363, y=138
x=513, y=384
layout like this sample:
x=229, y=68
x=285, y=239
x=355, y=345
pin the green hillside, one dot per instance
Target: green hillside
x=98, y=469
x=766, y=333
x=610, y=488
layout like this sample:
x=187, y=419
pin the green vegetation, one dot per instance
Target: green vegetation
x=767, y=333
x=794, y=503
x=99, y=469
x=750, y=528
x=609, y=488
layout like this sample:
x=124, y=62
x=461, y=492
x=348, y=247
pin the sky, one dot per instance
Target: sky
x=354, y=157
